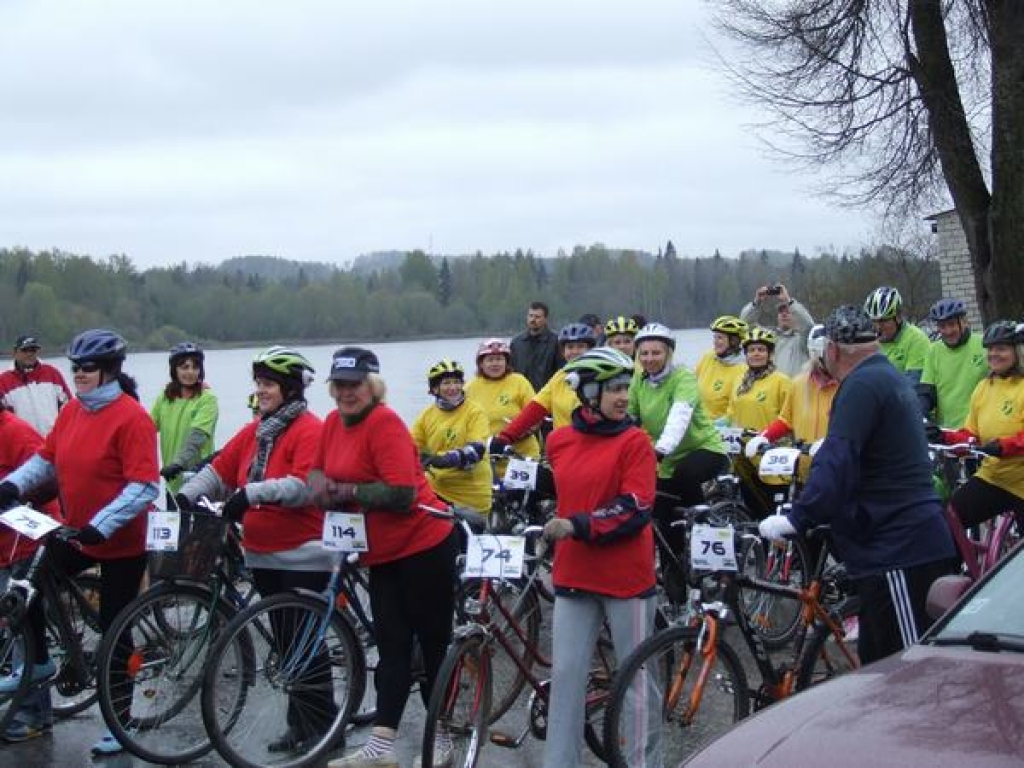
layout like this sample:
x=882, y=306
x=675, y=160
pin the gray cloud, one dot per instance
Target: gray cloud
x=319, y=130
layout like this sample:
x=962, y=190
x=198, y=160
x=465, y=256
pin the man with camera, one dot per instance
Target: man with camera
x=773, y=308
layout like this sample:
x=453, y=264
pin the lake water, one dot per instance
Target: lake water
x=403, y=365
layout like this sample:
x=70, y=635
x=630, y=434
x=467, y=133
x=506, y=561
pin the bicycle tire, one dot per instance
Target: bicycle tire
x=599, y=685
x=16, y=652
x=821, y=659
x=288, y=685
x=169, y=637
x=657, y=660
x=359, y=590
x=69, y=695
x=507, y=679
x=1005, y=537
x=775, y=618
x=460, y=702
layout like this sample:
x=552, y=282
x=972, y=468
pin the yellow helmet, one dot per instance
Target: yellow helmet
x=731, y=325
x=760, y=336
x=442, y=368
x=619, y=325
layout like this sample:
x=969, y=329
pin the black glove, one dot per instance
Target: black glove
x=182, y=502
x=88, y=535
x=171, y=471
x=9, y=494
x=497, y=446
x=236, y=505
x=91, y=537
x=992, y=448
x=933, y=432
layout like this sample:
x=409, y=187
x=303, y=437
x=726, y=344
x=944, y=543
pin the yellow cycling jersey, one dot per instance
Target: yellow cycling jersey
x=502, y=400
x=760, y=405
x=997, y=410
x=558, y=399
x=436, y=431
x=807, y=408
x=715, y=382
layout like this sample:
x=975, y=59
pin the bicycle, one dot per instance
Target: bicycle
x=281, y=663
x=691, y=681
x=460, y=704
x=151, y=661
x=981, y=549
x=72, y=625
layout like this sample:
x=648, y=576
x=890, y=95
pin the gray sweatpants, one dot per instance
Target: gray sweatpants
x=576, y=625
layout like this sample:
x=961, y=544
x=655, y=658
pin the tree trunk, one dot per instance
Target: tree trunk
x=1004, y=277
x=935, y=75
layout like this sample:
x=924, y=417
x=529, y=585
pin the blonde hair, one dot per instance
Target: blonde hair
x=378, y=387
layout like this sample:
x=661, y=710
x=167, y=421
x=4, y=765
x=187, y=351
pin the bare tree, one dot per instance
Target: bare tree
x=905, y=98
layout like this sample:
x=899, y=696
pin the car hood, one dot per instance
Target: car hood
x=928, y=706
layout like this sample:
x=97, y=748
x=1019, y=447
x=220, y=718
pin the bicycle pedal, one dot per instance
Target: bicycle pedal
x=501, y=739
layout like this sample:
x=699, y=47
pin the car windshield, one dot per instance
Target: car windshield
x=996, y=609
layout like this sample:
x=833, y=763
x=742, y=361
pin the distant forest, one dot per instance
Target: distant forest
x=54, y=294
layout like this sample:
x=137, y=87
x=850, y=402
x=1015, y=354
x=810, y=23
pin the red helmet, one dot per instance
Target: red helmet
x=493, y=347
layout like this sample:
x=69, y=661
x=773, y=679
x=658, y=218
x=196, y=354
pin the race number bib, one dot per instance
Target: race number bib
x=495, y=557
x=779, y=462
x=345, y=532
x=29, y=522
x=521, y=474
x=712, y=548
x=733, y=439
x=162, y=531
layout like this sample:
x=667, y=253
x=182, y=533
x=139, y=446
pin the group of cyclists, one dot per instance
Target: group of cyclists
x=634, y=434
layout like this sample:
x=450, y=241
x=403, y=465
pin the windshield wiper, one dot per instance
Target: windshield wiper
x=984, y=641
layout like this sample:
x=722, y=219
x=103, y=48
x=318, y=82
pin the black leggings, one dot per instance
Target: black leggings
x=978, y=501
x=311, y=707
x=686, y=483
x=411, y=597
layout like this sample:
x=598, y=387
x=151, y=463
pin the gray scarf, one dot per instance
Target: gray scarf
x=269, y=429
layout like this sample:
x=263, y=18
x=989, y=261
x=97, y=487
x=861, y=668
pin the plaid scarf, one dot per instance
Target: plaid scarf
x=754, y=374
x=270, y=428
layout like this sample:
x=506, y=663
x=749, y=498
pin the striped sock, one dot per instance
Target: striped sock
x=378, y=745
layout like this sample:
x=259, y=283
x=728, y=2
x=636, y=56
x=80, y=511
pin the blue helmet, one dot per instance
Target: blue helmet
x=946, y=309
x=577, y=332
x=97, y=345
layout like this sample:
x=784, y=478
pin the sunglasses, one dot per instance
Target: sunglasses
x=85, y=367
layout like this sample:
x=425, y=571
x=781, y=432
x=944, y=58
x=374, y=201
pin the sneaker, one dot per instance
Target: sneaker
x=359, y=760
x=107, y=745
x=40, y=672
x=23, y=730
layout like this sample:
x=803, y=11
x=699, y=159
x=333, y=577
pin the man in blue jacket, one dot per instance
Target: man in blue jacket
x=871, y=480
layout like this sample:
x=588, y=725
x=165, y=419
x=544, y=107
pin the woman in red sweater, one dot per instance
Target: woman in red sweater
x=367, y=463
x=102, y=453
x=262, y=473
x=604, y=467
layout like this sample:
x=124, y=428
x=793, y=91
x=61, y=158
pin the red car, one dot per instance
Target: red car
x=954, y=699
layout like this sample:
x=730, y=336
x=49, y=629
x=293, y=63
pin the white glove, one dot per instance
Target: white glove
x=754, y=445
x=815, y=447
x=776, y=527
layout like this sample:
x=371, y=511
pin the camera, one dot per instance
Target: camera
x=774, y=290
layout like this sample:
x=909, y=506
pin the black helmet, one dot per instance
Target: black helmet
x=182, y=351
x=850, y=325
x=97, y=346
x=946, y=309
x=1003, y=332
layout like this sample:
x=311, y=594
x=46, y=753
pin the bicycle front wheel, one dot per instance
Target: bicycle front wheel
x=150, y=669
x=457, y=713
x=16, y=655
x=775, y=618
x=282, y=682
x=669, y=699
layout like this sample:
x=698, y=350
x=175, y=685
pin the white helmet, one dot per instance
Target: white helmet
x=655, y=331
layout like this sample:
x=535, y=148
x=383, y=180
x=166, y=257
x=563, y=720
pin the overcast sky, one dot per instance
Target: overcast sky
x=200, y=131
